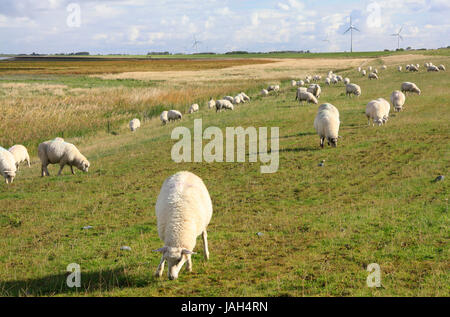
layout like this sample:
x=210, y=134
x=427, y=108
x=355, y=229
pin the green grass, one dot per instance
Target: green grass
x=373, y=201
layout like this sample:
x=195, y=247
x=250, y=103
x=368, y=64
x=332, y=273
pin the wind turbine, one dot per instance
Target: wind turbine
x=399, y=37
x=195, y=44
x=351, y=28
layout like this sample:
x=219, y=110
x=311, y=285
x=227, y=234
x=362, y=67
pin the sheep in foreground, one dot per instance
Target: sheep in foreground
x=135, y=124
x=315, y=90
x=163, y=117
x=211, y=103
x=20, y=154
x=432, y=68
x=264, y=92
x=441, y=67
x=183, y=211
x=193, y=108
x=378, y=111
x=174, y=115
x=62, y=153
x=327, y=124
x=373, y=76
x=410, y=87
x=352, y=89
x=398, y=100
x=223, y=104
x=7, y=165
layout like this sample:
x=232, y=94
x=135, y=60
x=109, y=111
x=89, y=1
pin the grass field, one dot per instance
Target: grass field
x=373, y=201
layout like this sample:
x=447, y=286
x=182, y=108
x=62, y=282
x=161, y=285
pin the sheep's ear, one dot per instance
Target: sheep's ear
x=162, y=250
x=186, y=251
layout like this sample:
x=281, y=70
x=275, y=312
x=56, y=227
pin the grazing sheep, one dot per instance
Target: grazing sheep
x=359, y=69
x=293, y=83
x=339, y=78
x=211, y=103
x=363, y=72
x=264, y=92
x=352, y=89
x=378, y=111
x=7, y=165
x=410, y=87
x=20, y=154
x=407, y=67
x=317, y=77
x=375, y=71
x=193, y=108
x=373, y=76
x=62, y=153
x=386, y=108
x=174, y=115
x=399, y=68
x=306, y=96
x=441, y=67
x=413, y=68
x=244, y=97
x=224, y=104
x=384, y=67
x=135, y=124
x=229, y=98
x=300, y=83
x=334, y=80
x=346, y=81
x=183, y=212
x=432, y=68
x=327, y=81
x=398, y=100
x=315, y=90
x=417, y=65
x=327, y=124
x=273, y=88
x=163, y=117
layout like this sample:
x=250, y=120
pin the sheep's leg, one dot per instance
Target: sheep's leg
x=71, y=169
x=205, y=244
x=60, y=169
x=321, y=142
x=28, y=162
x=189, y=263
x=160, y=269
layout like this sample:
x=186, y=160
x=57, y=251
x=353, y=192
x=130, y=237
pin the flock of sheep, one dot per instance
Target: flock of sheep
x=184, y=208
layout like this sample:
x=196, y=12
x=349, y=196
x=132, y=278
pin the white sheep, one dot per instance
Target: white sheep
x=273, y=88
x=384, y=67
x=327, y=124
x=370, y=68
x=373, y=76
x=363, y=72
x=293, y=83
x=398, y=100
x=359, y=69
x=413, y=68
x=399, y=68
x=237, y=100
x=193, y=108
x=174, y=115
x=62, y=153
x=183, y=211
x=7, y=165
x=346, y=81
x=163, y=117
x=229, y=98
x=306, y=96
x=315, y=90
x=211, y=103
x=410, y=87
x=264, y=92
x=441, y=67
x=432, y=68
x=327, y=81
x=334, y=80
x=352, y=89
x=244, y=97
x=378, y=111
x=224, y=104
x=375, y=71
x=300, y=83
x=20, y=154
x=135, y=124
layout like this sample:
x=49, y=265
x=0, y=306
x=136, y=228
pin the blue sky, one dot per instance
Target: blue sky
x=138, y=26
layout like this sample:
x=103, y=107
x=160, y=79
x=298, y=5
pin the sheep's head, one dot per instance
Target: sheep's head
x=9, y=176
x=332, y=141
x=175, y=257
x=84, y=166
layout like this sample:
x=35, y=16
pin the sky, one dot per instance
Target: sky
x=138, y=26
